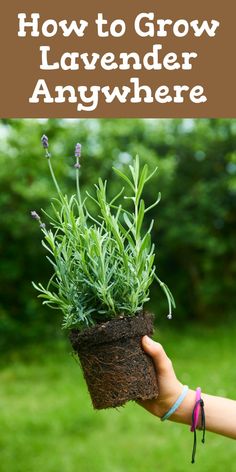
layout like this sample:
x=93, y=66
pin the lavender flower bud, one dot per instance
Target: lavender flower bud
x=78, y=150
x=44, y=141
x=77, y=165
x=35, y=215
x=42, y=226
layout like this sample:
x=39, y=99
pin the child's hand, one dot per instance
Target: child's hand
x=220, y=413
x=169, y=386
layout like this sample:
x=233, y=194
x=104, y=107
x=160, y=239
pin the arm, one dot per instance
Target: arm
x=220, y=412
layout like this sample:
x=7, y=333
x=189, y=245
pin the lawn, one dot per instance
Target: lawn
x=48, y=424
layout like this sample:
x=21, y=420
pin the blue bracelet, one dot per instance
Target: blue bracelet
x=176, y=404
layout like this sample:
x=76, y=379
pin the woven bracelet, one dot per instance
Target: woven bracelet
x=199, y=406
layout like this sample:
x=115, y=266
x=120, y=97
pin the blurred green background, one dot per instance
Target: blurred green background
x=48, y=422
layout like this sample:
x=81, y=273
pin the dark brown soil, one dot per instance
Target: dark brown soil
x=114, y=364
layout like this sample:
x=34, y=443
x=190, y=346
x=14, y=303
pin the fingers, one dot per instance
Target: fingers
x=155, y=350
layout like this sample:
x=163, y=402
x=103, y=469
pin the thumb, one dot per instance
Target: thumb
x=161, y=361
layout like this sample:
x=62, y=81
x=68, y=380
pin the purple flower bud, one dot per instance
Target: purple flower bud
x=35, y=215
x=42, y=226
x=44, y=141
x=78, y=150
x=77, y=165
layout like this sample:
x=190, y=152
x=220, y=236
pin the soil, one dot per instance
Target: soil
x=114, y=364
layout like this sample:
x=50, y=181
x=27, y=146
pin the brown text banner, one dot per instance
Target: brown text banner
x=117, y=59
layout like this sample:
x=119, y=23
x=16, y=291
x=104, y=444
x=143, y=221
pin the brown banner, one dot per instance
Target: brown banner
x=185, y=73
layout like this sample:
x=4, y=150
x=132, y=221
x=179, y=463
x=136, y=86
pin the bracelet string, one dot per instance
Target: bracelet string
x=198, y=403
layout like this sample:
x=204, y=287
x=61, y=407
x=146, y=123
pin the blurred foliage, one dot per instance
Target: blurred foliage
x=195, y=221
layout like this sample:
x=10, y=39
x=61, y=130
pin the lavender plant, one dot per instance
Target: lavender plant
x=103, y=265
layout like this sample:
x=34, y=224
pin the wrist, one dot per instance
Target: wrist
x=165, y=402
x=176, y=404
x=183, y=414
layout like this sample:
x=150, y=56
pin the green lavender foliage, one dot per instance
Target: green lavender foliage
x=103, y=265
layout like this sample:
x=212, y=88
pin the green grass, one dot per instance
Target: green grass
x=47, y=422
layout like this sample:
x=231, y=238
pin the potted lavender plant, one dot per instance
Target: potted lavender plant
x=103, y=267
